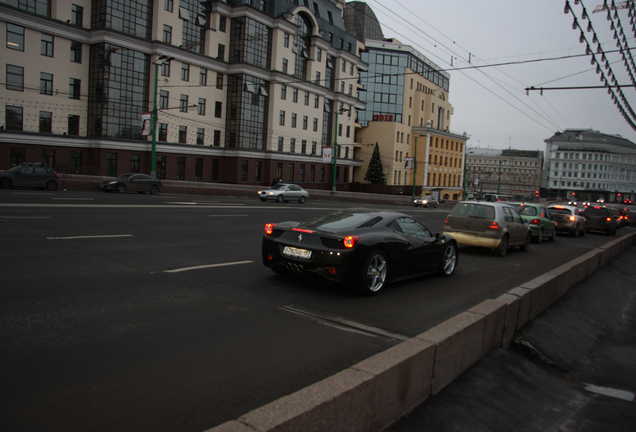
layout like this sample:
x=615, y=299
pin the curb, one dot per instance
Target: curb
x=375, y=393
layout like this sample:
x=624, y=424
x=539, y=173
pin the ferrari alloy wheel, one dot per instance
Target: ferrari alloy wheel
x=449, y=260
x=375, y=273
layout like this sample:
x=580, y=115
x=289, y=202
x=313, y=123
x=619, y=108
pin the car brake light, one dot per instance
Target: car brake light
x=447, y=221
x=609, y=219
x=303, y=230
x=534, y=222
x=269, y=228
x=572, y=218
x=493, y=226
x=350, y=241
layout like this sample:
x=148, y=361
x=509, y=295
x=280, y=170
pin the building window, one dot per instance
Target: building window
x=303, y=147
x=200, y=136
x=217, y=138
x=348, y=131
x=15, y=78
x=74, y=88
x=203, y=76
x=180, y=167
x=165, y=69
x=183, y=134
x=215, y=169
x=286, y=40
x=280, y=143
x=198, y=169
x=219, y=80
x=291, y=172
x=284, y=66
x=305, y=121
x=134, y=162
x=77, y=15
x=73, y=124
x=167, y=34
x=161, y=167
x=222, y=24
x=201, y=106
x=46, y=45
x=15, y=37
x=183, y=103
x=244, y=170
x=295, y=96
x=281, y=119
x=313, y=151
x=318, y=78
x=283, y=91
x=163, y=131
x=319, y=55
x=221, y=52
x=111, y=164
x=292, y=145
x=293, y=120
x=76, y=162
x=45, y=122
x=168, y=5
x=185, y=72
x=316, y=101
x=218, y=109
x=48, y=158
x=315, y=124
x=258, y=171
x=46, y=83
x=76, y=52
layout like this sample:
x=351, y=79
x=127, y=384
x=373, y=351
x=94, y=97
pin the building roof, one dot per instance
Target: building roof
x=585, y=139
x=483, y=152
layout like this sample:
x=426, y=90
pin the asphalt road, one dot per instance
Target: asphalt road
x=136, y=312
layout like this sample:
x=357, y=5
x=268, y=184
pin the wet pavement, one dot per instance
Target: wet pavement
x=573, y=368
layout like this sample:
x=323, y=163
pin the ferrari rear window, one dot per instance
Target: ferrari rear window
x=342, y=220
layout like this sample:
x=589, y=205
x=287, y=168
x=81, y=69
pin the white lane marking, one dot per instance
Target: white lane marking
x=74, y=199
x=25, y=217
x=207, y=266
x=615, y=393
x=87, y=237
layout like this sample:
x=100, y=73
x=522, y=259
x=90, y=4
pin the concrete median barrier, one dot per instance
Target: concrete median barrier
x=376, y=392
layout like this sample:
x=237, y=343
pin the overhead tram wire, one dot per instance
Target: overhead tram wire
x=626, y=111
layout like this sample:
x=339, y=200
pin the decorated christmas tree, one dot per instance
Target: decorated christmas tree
x=374, y=172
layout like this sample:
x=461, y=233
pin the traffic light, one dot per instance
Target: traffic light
x=536, y=193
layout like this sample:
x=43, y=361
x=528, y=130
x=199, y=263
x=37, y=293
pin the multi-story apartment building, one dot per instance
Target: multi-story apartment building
x=406, y=96
x=246, y=90
x=589, y=165
x=508, y=171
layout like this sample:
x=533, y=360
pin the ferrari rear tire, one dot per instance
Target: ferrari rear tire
x=449, y=260
x=375, y=272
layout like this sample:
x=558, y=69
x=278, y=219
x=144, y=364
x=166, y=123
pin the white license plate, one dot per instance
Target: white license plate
x=296, y=253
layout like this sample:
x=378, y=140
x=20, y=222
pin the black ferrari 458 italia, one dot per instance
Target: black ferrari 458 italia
x=364, y=249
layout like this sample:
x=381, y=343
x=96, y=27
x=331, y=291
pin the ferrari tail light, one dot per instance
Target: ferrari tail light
x=493, y=226
x=350, y=241
x=269, y=228
x=303, y=230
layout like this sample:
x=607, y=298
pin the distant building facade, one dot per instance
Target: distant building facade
x=587, y=165
x=503, y=171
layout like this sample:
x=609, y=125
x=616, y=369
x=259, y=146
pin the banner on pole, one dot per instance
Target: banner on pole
x=326, y=154
x=146, y=120
x=408, y=163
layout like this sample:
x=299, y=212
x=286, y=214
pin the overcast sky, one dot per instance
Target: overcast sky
x=490, y=103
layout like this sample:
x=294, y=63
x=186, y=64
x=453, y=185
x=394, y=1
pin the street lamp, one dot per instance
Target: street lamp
x=415, y=163
x=159, y=62
x=335, y=149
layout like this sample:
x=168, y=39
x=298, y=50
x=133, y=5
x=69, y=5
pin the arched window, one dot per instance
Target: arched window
x=301, y=45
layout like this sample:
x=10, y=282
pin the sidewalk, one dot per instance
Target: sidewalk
x=558, y=365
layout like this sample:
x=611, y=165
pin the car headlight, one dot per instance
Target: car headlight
x=271, y=193
x=425, y=201
x=112, y=182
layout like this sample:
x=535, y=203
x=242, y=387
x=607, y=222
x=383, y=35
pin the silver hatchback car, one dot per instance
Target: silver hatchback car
x=495, y=225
